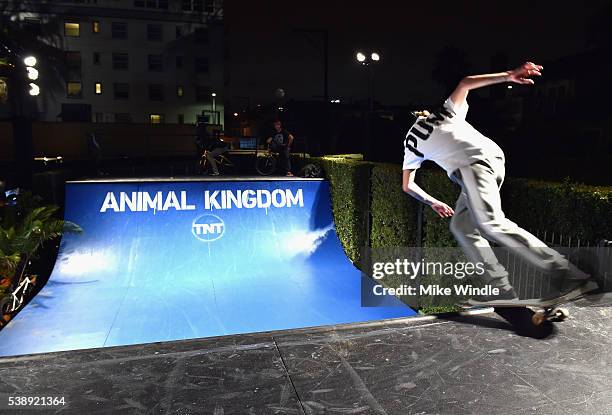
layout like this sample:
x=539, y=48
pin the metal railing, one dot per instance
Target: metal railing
x=588, y=256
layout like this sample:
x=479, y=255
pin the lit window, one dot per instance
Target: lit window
x=180, y=91
x=98, y=88
x=157, y=118
x=96, y=27
x=72, y=29
x=74, y=89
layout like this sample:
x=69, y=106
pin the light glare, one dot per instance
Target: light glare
x=30, y=61
x=32, y=73
x=34, y=89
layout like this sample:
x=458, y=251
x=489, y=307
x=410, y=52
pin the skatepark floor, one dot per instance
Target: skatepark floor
x=463, y=365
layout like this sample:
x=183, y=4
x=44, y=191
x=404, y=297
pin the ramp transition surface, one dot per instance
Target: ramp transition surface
x=161, y=261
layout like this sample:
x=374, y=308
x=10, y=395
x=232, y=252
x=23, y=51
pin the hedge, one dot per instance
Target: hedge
x=393, y=213
x=566, y=208
x=350, y=189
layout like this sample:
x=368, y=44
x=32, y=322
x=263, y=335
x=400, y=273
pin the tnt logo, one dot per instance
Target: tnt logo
x=208, y=228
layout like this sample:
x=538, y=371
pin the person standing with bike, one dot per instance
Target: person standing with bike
x=280, y=142
x=209, y=146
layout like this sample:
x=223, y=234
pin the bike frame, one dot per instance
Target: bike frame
x=18, y=293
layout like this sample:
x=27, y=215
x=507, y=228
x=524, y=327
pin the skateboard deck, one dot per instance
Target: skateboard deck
x=534, y=317
x=574, y=294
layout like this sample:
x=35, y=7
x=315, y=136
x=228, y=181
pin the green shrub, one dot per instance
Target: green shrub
x=564, y=208
x=393, y=213
x=350, y=188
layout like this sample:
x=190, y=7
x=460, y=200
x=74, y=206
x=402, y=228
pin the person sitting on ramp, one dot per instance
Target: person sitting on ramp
x=477, y=165
x=210, y=145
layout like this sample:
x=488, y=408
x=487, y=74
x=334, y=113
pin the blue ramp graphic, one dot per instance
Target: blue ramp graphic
x=162, y=261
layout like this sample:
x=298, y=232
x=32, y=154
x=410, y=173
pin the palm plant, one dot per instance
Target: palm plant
x=24, y=228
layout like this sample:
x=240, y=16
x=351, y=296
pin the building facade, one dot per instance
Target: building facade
x=132, y=61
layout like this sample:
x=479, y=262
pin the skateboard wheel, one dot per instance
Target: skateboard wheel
x=538, y=319
x=562, y=313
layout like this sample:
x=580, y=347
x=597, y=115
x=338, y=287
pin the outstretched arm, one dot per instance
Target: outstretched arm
x=409, y=186
x=519, y=75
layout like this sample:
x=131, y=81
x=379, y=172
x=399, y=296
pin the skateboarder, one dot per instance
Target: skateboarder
x=476, y=164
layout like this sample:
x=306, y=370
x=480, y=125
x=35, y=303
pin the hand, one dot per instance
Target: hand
x=442, y=209
x=521, y=74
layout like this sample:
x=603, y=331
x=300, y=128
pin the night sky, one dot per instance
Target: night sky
x=266, y=53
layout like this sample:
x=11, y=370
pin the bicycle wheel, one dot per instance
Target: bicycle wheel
x=203, y=166
x=7, y=305
x=265, y=165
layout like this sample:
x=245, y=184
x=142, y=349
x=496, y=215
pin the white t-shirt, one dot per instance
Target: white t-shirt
x=447, y=139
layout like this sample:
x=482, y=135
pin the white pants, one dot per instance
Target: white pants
x=479, y=219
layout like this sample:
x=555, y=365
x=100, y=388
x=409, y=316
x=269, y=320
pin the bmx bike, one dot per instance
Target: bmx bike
x=266, y=162
x=223, y=163
x=16, y=297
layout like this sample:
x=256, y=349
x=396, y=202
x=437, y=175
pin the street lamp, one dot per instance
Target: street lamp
x=32, y=74
x=368, y=60
x=214, y=107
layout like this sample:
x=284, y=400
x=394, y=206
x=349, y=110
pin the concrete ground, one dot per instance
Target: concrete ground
x=461, y=365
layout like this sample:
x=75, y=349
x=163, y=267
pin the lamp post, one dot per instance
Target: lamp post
x=368, y=60
x=214, y=106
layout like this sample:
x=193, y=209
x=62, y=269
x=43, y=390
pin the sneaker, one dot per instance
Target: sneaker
x=289, y=174
x=215, y=174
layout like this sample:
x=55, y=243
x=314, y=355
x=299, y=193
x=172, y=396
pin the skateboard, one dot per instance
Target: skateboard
x=534, y=317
